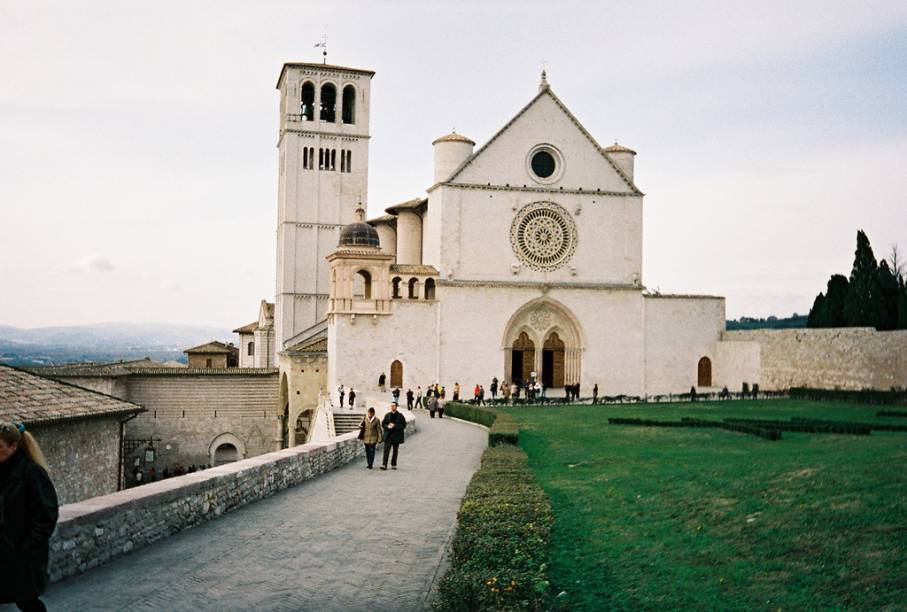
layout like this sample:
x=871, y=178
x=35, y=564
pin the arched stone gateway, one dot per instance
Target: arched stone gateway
x=225, y=448
x=549, y=325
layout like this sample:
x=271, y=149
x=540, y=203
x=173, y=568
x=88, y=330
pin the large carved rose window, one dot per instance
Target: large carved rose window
x=543, y=236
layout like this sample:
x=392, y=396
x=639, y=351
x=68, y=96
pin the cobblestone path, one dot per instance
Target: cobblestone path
x=353, y=539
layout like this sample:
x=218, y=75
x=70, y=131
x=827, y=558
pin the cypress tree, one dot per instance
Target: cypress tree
x=890, y=291
x=863, y=306
x=902, y=305
x=835, y=298
x=817, y=314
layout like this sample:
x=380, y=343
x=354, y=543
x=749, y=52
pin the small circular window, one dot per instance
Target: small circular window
x=543, y=164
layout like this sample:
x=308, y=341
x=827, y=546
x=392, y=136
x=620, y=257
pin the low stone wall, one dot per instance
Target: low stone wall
x=834, y=358
x=96, y=530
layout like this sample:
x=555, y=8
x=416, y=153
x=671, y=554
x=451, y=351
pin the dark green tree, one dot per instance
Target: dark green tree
x=835, y=298
x=902, y=304
x=890, y=289
x=863, y=306
x=818, y=313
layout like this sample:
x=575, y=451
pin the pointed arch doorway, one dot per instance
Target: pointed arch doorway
x=553, y=361
x=543, y=336
x=396, y=374
x=522, y=357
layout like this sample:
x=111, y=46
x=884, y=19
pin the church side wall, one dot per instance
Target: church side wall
x=842, y=358
x=679, y=332
x=187, y=412
x=474, y=322
x=361, y=349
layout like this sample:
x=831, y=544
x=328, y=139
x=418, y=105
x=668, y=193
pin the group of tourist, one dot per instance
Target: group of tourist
x=140, y=477
x=342, y=392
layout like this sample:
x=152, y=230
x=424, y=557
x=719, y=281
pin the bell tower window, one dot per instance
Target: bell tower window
x=307, y=102
x=328, y=103
x=349, y=104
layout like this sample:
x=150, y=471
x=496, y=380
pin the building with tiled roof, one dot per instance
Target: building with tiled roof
x=214, y=354
x=80, y=431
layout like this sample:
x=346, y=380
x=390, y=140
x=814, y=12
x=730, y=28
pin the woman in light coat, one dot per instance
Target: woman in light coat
x=371, y=435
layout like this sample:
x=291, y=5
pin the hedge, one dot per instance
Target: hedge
x=891, y=413
x=766, y=433
x=809, y=426
x=865, y=396
x=502, y=428
x=872, y=426
x=499, y=555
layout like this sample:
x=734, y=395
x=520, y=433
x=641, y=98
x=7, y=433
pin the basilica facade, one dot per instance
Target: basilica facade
x=521, y=260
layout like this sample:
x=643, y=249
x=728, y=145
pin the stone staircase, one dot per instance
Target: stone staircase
x=345, y=422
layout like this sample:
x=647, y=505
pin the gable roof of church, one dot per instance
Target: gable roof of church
x=546, y=90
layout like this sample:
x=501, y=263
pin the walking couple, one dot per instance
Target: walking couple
x=389, y=430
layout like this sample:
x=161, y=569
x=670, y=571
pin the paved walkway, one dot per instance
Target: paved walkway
x=353, y=539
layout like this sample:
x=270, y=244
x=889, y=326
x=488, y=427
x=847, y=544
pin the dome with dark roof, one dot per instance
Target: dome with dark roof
x=359, y=234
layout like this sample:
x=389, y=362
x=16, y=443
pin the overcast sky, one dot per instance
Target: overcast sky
x=137, y=140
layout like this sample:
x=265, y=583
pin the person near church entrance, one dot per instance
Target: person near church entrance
x=396, y=394
x=419, y=398
x=409, y=399
x=441, y=403
x=443, y=392
x=393, y=423
x=432, y=405
x=505, y=393
x=28, y=516
x=371, y=435
x=595, y=394
x=352, y=398
x=456, y=391
x=475, y=394
x=381, y=381
x=342, y=393
x=494, y=388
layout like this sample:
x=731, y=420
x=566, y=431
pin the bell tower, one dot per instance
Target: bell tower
x=322, y=149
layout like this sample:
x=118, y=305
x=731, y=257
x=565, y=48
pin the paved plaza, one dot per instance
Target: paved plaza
x=352, y=539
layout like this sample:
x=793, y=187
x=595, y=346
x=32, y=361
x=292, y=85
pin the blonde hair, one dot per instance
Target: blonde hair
x=11, y=434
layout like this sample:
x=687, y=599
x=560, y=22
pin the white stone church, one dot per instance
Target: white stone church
x=523, y=259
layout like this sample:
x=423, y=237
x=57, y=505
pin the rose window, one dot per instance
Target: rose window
x=543, y=236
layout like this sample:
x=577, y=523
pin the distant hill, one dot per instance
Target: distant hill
x=103, y=342
x=792, y=322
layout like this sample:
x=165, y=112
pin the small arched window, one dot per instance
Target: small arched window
x=333, y=159
x=349, y=104
x=328, y=103
x=430, y=289
x=251, y=349
x=396, y=288
x=362, y=285
x=307, y=102
x=349, y=161
x=414, y=288
x=704, y=372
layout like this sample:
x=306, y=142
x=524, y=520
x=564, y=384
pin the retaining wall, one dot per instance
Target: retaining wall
x=96, y=530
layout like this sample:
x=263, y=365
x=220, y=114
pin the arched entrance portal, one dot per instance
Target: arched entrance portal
x=550, y=326
x=553, y=361
x=396, y=374
x=523, y=359
x=225, y=453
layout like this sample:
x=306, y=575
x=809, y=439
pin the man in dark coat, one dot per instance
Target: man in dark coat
x=393, y=423
x=27, y=519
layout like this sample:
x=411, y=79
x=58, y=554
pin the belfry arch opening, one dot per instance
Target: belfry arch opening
x=362, y=285
x=348, y=114
x=328, y=103
x=307, y=102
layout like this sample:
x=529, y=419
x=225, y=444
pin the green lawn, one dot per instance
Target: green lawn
x=662, y=518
